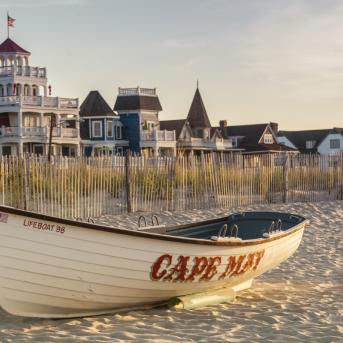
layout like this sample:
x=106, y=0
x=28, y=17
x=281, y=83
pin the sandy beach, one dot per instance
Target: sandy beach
x=301, y=301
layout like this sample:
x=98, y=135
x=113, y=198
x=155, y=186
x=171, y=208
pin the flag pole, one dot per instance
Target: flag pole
x=8, y=28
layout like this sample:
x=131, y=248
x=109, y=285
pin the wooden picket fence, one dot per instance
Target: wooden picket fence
x=97, y=186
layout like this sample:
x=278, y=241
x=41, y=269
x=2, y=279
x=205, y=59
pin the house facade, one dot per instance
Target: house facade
x=323, y=142
x=101, y=130
x=195, y=133
x=138, y=109
x=27, y=110
x=254, y=138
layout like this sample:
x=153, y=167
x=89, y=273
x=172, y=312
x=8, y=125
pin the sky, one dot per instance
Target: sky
x=256, y=60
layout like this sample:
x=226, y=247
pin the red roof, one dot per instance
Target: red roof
x=9, y=46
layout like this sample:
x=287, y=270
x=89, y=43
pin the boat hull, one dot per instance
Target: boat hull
x=58, y=270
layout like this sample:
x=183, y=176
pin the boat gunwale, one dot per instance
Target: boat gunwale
x=164, y=237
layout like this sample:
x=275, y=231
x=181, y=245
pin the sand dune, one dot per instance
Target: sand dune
x=301, y=301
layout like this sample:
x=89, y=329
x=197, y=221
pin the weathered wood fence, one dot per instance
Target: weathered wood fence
x=92, y=187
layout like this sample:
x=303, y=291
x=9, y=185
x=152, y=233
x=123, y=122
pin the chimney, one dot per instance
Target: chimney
x=222, y=124
x=275, y=127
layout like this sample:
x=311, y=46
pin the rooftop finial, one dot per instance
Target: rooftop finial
x=197, y=83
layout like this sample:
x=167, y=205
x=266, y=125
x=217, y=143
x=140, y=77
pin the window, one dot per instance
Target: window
x=38, y=149
x=119, y=151
x=310, y=144
x=30, y=121
x=6, y=150
x=268, y=138
x=118, y=132
x=335, y=144
x=109, y=128
x=96, y=129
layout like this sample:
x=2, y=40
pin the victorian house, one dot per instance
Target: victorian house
x=27, y=110
x=138, y=109
x=100, y=128
x=195, y=133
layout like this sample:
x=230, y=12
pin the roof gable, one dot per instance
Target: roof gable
x=10, y=46
x=197, y=115
x=299, y=138
x=268, y=130
x=251, y=133
x=172, y=125
x=215, y=133
x=95, y=106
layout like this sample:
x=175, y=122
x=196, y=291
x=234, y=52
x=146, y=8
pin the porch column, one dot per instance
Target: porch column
x=156, y=152
x=58, y=119
x=20, y=122
x=78, y=150
x=20, y=148
x=41, y=119
x=77, y=127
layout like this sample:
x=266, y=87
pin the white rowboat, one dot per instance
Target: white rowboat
x=56, y=268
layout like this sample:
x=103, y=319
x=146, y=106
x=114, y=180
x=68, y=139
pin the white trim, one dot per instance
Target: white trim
x=101, y=117
x=111, y=126
x=101, y=131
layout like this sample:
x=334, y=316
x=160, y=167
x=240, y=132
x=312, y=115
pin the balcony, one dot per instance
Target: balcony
x=40, y=101
x=38, y=132
x=206, y=144
x=12, y=71
x=158, y=135
x=158, y=139
x=137, y=91
x=64, y=132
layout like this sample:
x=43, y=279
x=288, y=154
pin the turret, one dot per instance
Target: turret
x=17, y=77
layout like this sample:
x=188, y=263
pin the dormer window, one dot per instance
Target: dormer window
x=268, y=138
x=310, y=144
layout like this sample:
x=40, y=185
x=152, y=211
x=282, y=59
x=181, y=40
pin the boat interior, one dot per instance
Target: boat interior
x=237, y=226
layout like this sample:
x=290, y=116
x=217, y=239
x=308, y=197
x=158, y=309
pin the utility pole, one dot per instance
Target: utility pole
x=50, y=139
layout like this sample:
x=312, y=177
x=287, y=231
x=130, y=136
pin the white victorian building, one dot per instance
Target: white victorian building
x=26, y=109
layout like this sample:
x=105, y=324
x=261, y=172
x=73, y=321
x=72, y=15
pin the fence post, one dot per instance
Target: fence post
x=340, y=178
x=27, y=181
x=285, y=178
x=128, y=181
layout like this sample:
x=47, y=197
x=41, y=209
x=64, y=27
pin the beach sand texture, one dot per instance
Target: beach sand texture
x=301, y=301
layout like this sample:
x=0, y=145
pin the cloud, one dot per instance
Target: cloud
x=299, y=48
x=178, y=44
x=41, y=3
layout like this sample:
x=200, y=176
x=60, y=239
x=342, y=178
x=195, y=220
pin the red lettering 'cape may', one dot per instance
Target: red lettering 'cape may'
x=56, y=268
